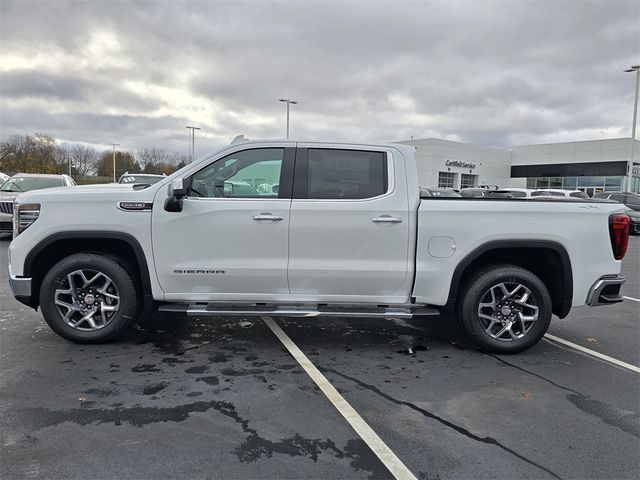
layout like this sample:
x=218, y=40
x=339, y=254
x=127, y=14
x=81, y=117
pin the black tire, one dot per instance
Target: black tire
x=122, y=282
x=478, y=289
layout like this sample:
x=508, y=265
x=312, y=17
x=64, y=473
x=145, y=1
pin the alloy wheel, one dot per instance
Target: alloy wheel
x=507, y=311
x=87, y=300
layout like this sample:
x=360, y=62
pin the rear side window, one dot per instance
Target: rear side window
x=578, y=195
x=345, y=174
x=517, y=194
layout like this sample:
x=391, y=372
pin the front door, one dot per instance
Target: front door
x=230, y=241
x=349, y=235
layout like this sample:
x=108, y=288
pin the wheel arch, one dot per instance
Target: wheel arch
x=547, y=259
x=119, y=245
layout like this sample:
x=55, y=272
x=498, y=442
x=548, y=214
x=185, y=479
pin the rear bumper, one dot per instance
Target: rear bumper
x=605, y=291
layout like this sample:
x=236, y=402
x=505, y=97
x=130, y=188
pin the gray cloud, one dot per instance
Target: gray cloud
x=494, y=73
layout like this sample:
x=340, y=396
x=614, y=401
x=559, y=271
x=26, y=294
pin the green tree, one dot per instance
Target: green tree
x=124, y=163
x=37, y=153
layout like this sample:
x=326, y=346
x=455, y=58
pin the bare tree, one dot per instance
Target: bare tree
x=83, y=160
x=152, y=160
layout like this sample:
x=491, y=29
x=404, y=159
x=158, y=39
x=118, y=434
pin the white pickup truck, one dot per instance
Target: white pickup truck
x=305, y=229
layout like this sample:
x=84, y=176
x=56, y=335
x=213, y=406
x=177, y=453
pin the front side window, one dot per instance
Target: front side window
x=246, y=174
x=345, y=174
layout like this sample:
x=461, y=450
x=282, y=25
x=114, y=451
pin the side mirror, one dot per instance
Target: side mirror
x=177, y=190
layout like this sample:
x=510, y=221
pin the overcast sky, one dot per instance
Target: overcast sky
x=492, y=73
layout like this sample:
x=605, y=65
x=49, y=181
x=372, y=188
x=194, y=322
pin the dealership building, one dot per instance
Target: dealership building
x=590, y=166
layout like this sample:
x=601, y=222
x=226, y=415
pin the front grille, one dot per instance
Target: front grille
x=6, y=207
x=6, y=227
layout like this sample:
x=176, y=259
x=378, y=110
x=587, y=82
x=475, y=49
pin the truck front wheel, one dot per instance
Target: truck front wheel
x=505, y=309
x=88, y=298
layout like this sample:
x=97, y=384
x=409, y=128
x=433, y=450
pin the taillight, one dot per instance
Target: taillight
x=619, y=233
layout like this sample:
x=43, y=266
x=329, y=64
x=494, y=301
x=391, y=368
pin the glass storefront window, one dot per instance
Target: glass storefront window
x=591, y=182
x=531, y=183
x=542, y=182
x=570, y=183
x=555, y=182
x=613, y=184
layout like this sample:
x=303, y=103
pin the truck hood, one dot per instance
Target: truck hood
x=93, y=193
x=8, y=196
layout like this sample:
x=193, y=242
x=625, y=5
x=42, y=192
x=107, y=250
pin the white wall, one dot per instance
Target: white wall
x=492, y=165
x=609, y=150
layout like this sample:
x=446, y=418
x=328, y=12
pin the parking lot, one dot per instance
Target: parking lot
x=223, y=398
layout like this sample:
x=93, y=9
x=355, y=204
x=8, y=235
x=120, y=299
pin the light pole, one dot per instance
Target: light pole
x=114, y=145
x=192, y=152
x=288, y=102
x=633, y=68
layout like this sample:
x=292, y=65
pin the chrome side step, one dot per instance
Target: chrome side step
x=213, y=309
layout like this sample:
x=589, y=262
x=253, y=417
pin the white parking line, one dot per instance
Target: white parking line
x=593, y=353
x=371, y=438
x=631, y=298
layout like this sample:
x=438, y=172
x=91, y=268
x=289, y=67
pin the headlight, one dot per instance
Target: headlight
x=23, y=216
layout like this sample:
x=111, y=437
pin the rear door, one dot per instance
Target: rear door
x=349, y=226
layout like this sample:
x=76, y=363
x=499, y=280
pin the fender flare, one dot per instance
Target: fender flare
x=143, y=268
x=567, y=272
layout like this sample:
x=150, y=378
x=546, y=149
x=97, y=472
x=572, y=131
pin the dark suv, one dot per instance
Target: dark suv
x=631, y=201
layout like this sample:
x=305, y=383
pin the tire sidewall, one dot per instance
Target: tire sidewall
x=123, y=283
x=479, y=286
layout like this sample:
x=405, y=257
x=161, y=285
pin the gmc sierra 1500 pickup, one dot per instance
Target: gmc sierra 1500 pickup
x=304, y=229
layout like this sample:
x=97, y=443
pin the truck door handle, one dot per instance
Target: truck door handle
x=268, y=216
x=386, y=219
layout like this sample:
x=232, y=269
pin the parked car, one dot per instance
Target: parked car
x=631, y=200
x=25, y=182
x=558, y=192
x=485, y=192
x=348, y=235
x=3, y=178
x=519, y=192
x=438, y=192
x=141, y=178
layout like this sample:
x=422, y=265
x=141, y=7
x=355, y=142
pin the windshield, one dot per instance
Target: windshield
x=25, y=184
x=148, y=179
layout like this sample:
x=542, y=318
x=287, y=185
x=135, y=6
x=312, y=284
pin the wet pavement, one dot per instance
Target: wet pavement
x=222, y=398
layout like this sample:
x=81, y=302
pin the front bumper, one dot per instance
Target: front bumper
x=6, y=223
x=605, y=291
x=21, y=288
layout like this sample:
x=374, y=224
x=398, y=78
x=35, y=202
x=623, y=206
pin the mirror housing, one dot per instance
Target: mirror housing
x=176, y=191
x=177, y=188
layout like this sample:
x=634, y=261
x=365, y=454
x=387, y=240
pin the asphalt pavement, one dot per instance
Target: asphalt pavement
x=223, y=398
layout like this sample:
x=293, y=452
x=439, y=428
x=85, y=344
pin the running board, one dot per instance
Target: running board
x=212, y=309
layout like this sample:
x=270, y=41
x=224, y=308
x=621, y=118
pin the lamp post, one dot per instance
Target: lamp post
x=192, y=151
x=633, y=68
x=288, y=102
x=114, y=145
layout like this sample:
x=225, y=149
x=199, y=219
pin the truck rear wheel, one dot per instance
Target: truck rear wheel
x=505, y=309
x=88, y=298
